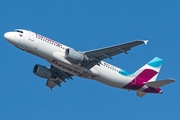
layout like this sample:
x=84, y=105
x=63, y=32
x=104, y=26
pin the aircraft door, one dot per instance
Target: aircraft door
x=31, y=36
x=32, y=42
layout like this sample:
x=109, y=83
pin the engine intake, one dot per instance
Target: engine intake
x=43, y=71
x=76, y=56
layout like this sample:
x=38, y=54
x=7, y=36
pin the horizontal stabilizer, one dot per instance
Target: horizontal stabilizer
x=157, y=84
x=140, y=93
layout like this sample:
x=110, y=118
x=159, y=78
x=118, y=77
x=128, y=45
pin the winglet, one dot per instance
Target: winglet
x=145, y=41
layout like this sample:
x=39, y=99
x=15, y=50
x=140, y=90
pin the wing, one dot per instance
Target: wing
x=60, y=77
x=108, y=52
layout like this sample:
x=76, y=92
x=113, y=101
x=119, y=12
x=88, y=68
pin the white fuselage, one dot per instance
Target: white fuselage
x=54, y=53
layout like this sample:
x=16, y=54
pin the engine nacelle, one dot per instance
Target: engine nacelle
x=42, y=71
x=75, y=56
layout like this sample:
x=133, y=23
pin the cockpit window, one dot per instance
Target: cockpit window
x=18, y=31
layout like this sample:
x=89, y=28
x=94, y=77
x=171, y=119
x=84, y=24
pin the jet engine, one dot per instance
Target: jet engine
x=43, y=72
x=76, y=56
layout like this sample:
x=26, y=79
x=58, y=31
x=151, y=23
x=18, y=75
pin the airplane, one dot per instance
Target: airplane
x=66, y=62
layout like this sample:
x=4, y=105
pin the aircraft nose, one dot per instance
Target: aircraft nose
x=7, y=35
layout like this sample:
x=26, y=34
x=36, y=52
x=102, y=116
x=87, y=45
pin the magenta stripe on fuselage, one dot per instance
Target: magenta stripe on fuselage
x=138, y=81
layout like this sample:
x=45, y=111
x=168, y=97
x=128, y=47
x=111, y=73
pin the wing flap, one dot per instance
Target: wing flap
x=50, y=83
x=61, y=76
x=157, y=84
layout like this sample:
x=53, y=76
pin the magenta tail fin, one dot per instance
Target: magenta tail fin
x=150, y=71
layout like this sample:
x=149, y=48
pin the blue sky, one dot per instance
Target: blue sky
x=86, y=25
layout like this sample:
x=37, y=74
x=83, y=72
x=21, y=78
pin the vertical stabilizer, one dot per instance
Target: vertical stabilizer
x=150, y=70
